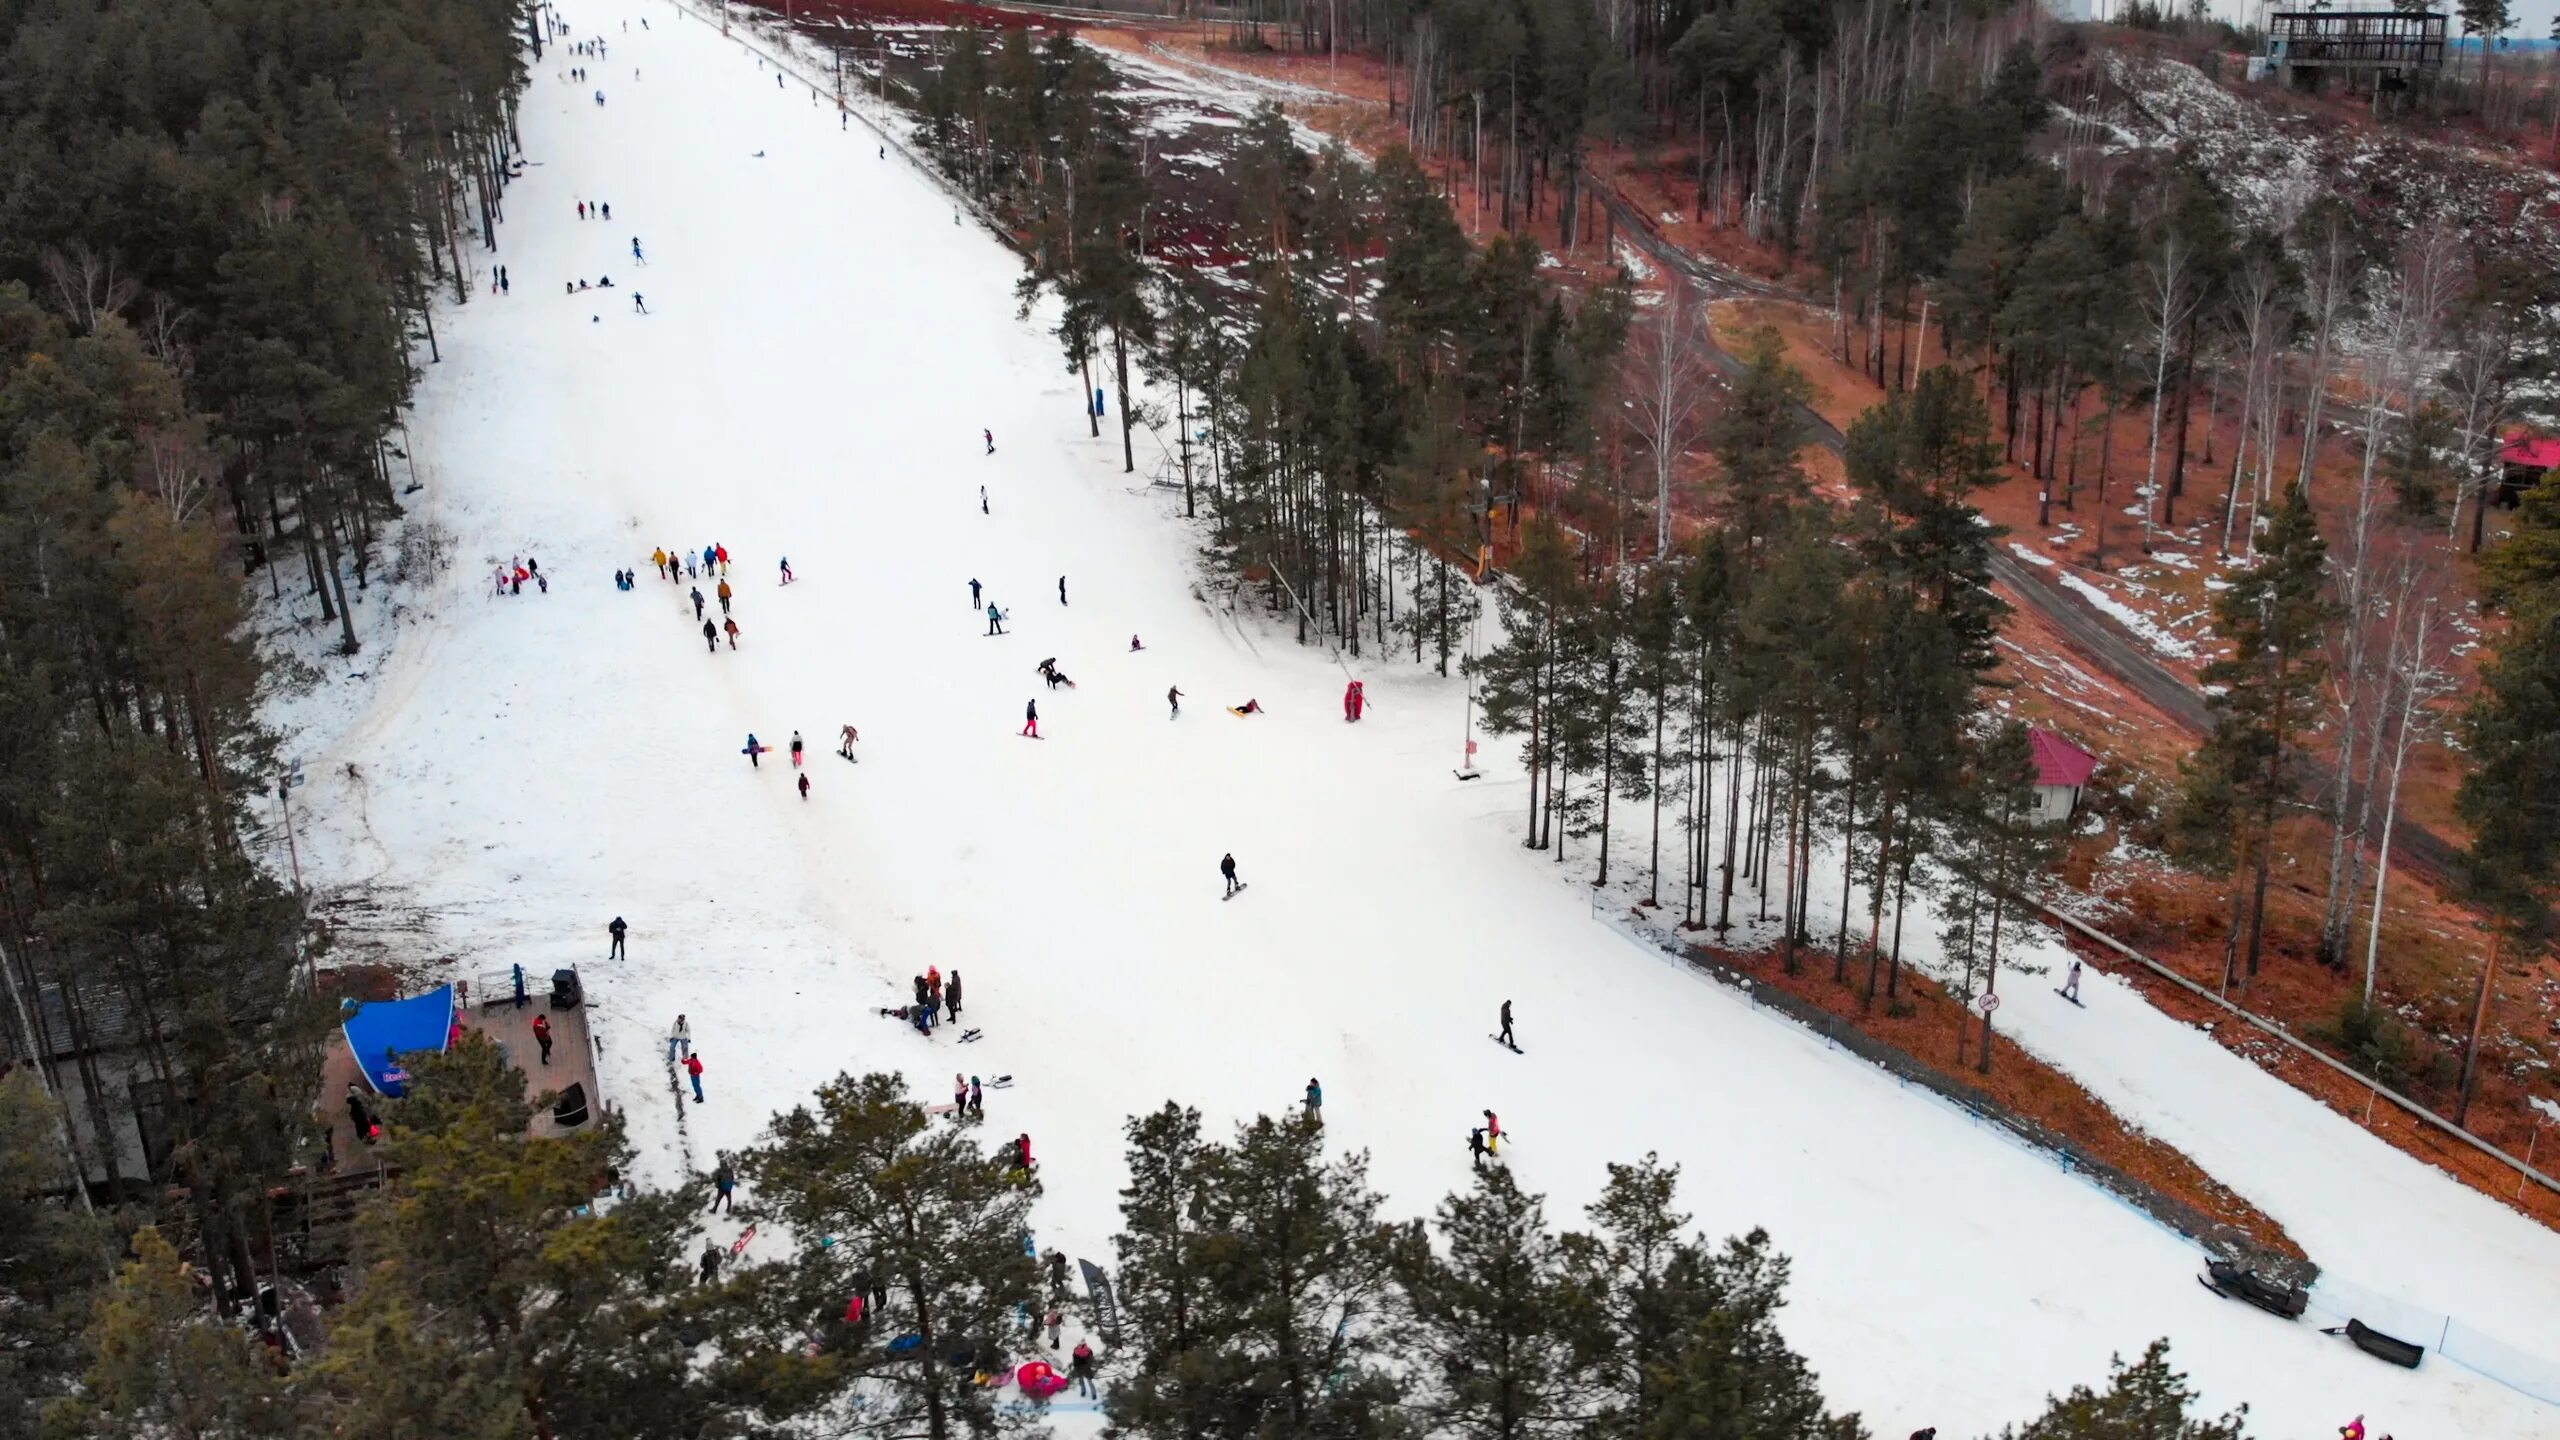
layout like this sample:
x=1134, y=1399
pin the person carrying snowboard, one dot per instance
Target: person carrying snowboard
x=754, y=748
x=1227, y=867
x=795, y=749
x=1031, y=718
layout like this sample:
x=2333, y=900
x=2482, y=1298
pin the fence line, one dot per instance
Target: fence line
x=2304, y=1047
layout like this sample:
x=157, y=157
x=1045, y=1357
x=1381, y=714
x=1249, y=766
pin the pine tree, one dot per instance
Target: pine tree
x=1733, y=1373
x=2234, y=786
x=54, y=1255
x=1632, y=1292
x=1488, y=1319
x=867, y=1185
x=2145, y=1400
x=1170, y=1371
x=164, y=1367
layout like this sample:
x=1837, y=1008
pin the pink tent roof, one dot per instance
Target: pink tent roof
x=2059, y=762
x=2533, y=452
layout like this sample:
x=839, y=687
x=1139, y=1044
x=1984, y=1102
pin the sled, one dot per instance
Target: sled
x=968, y=1035
x=2380, y=1346
x=1514, y=1049
x=1230, y=895
x=1001, y=1082
x=2238, y=1282
x=1468, y=774
x=1240, y=712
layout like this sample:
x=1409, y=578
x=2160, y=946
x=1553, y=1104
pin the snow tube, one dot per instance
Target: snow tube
x=2383, y=1347
x=1038, y=1380
x=2238, y=1282
x=905, y=1343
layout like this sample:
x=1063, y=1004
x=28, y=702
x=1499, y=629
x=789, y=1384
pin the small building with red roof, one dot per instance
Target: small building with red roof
x=2062, y=774
x=2526, y=460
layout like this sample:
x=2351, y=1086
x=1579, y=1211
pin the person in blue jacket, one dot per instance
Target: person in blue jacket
x=1315, y=1102
x=754, y=749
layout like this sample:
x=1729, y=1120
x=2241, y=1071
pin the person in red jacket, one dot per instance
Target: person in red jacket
x=1352, y=701
x=693, y=1068
x=1022, y=1152
x=1492, y=1133
x=542, y=1036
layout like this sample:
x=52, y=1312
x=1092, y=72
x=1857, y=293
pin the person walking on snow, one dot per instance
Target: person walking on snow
x=1062, y=589
x=995, y=619
x=658, y=557
x=1475, y=1147
x=710, y=1261
x=991, y=435
x=635, y=251
x=1173, y=697
x=679, y=1040
x=1080, y=1366
x=617, y=930
x=1506, y=1026
x=951, y=996
x=724, y=592
x=959, y=1094
x=804, y=784
x=723, y=552
x=1227, y=867
x=1031, y=718
x=693, y=1069
x=697, y=602
x=1315, y=1103
x=753, y=749
x=542, y=1036
x=710, y=632
x=977, y=596
x=982, y=499
x=710, y=556
x=977, y=1097
x=1353, y=700
x=731, y=626
x=795, y=749
x=1492, y=1133
x=724, y=1184
x=786, y=569
x=639, y=304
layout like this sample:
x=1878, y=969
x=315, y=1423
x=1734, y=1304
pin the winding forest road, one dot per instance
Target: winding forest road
x=2098, y=638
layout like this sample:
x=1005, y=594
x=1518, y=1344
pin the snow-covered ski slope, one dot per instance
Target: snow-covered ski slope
x=824, y=347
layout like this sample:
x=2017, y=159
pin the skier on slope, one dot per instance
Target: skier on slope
x=1227, y=867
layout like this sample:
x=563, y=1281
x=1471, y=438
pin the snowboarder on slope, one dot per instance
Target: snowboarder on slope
x=2071, y=986
x=1134, y=646
x=844, y=746
x=1506, y=1026
x=753, y=749
x=1227, y=867
x=1031, y=718
x=995, y=619
x=617, y=930
x=1173, y=697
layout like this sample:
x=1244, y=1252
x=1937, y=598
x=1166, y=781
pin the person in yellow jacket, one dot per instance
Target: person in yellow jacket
x=658, y=557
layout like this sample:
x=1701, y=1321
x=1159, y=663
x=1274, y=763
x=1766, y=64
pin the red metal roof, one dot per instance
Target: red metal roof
x=2059, y=762
x=2533, y=452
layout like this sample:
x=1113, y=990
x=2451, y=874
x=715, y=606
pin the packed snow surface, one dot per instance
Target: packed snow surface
x=823, y=348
